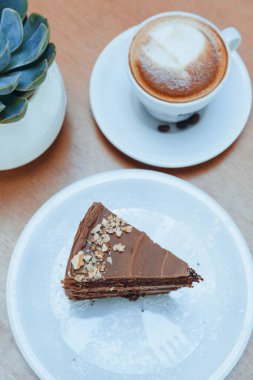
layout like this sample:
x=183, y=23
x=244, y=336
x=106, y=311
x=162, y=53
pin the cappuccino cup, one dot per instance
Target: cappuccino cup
x=177, y=62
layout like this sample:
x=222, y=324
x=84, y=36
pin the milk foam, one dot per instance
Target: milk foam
x=174, y=45
x=177, y=58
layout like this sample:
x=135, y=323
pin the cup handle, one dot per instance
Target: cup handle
x=232, y=36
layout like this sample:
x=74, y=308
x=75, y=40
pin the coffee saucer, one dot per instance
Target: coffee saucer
x=131, y=129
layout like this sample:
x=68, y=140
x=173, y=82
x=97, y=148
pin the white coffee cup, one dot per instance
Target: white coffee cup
x=175, y=112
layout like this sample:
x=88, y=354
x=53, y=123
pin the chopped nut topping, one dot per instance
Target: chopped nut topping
x=100, y=239
x=119, y=221
x=77, y=260
x=105, y=222
x=96, y=254
x=105, y=248
x=95, y=237
x=91, y=274
x=89, y=267
x=110, y=230
x=119, y=247
x=98, y=274
x=127, y=229
x=109, y=259
x=93, y=260
x=87, y=258
x=105, y=238
x=96, y=229
x=95, y=273
x=99, y=255
x=80, y=277
x=110, y=218
x=102, y=268
x=118, y=232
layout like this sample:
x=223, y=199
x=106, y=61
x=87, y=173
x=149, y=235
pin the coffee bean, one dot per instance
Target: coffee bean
x=194, y=119
x=191, y=121
x=163, y=128
x=182, y=124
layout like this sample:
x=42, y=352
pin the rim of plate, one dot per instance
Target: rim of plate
x=124, y=174
x=127, y=150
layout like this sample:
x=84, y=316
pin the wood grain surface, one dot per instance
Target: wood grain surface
x=81, y=29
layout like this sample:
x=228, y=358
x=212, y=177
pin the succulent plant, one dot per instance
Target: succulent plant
x=25, y=56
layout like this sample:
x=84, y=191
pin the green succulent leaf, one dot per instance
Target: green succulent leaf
x=5, y=55
x=19, y=5
x=8, y=83
x=32, y=24
x=28, y=78
x=49, y=54
x=27, y=94
x=32, y=49
x=2, y=106
x=31, y=78
x=12, y=28
x=15, y=108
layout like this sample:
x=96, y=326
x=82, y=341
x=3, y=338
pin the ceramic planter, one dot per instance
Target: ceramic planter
x=23, y=141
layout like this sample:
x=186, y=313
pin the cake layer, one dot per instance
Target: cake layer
x=78, y=289
x=132, y=281
x=125, y=292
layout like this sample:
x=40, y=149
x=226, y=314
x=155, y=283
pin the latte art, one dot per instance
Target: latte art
x=178, y=58
x=174, y=45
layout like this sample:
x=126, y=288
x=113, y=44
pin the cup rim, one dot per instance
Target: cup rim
x=187, y=103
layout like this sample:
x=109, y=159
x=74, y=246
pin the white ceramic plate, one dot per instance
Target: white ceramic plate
x=197, y=333
x=128, y=126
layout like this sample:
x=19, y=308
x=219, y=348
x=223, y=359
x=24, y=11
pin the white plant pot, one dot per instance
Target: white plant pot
x=23, y=141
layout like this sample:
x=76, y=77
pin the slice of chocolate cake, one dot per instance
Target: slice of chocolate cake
x=111, y=258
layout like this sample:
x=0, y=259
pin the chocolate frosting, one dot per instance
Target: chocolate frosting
x=140, y=264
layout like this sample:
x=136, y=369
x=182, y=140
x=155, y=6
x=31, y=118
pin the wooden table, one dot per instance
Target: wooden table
x=81, y=29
